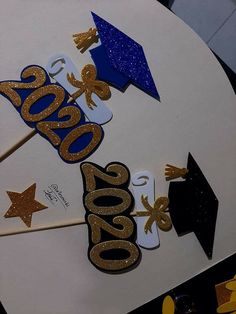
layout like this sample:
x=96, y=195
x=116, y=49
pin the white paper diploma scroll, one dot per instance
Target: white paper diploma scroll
x=143, y=183
x=59, y=65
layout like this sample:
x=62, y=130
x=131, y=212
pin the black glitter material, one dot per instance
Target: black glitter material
x=193, y=206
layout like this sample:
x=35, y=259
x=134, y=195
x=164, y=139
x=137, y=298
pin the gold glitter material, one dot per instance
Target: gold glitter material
x=90, y=172
x=108, y=210
x=95, y=129
x=226, y=296
x=89, y=85
x=46, y=127
x=103, y=207
x=97, y=223
x=24, y=205
x=222, y=293
x=7, y=88
x=114, y=264
x=168, y=305
x=172, y=172
x=56, y=90
x=156, y=213
x=38, y=73
x=84, y=40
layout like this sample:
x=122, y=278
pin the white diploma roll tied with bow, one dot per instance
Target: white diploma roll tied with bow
x=143, y=183
x=60, y=67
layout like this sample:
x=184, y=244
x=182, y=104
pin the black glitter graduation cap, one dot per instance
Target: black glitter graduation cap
x=193, y=205
x=2, y=310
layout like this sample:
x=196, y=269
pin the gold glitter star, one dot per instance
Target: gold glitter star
x=24, y=205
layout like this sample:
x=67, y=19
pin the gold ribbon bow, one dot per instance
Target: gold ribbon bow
x=156, y=213
x=89, y=85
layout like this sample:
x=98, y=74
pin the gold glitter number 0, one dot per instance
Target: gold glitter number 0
x=64, y=149
x=90, y=171
x=119, y=264
x=52, y=89
x=108, y=192
x=7, y=88
x=46, y=127
x=97, y=223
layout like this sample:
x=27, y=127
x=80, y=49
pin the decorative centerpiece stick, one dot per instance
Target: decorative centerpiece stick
x=44, y=107
x=11, y=150
x=74, y=222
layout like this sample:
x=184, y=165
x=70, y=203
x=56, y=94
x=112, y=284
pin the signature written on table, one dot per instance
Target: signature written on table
x=55, y=196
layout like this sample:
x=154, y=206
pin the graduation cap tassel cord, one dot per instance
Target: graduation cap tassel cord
x=14, y=148
x=84, y=40
x=172, y=172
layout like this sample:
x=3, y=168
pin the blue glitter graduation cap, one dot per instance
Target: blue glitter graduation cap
x=120, y=60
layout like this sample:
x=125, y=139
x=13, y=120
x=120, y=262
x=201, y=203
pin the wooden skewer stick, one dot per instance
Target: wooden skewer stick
x=73, y=222
x=17, y=145
x=44, y=227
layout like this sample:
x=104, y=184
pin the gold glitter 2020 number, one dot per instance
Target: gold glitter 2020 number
x=37, y=79
x=117, y=264
x=47, y=127
x=108, y=192
x=7, y=88
x=64, y=149
x=98, y=223
x=91, y=171
x=106, y=196
x=51, y=89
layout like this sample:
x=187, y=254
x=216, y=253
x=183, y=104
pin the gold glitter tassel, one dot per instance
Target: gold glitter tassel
x=84, y=40
x=172, y=172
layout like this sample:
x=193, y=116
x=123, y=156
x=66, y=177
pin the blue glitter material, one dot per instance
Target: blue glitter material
x=44, y=102
x=105, y=72
x=126, y=56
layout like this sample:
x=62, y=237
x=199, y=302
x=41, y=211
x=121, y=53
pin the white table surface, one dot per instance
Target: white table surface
x=48, y=271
